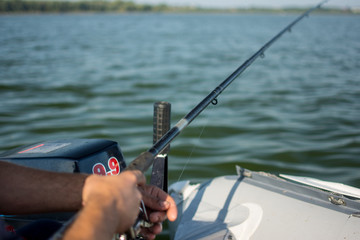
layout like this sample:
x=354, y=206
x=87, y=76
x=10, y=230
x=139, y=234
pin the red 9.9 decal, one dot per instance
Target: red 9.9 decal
x=113, y=165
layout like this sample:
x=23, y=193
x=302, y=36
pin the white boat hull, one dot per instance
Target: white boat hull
x=255, y=205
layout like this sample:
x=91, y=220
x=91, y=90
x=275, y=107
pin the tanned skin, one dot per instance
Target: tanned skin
x=107, y=204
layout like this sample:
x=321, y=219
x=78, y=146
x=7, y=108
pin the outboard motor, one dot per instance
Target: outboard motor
x=92, y=156
x=97, y=156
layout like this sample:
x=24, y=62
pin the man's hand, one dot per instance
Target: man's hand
x=159, y=207
x=110, y=205
x=120, y=191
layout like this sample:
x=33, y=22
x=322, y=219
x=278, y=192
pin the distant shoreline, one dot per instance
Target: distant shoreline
x=39, y=7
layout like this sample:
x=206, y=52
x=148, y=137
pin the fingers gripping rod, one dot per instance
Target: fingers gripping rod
x=159, y=177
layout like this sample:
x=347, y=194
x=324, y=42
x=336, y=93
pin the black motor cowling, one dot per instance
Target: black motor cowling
x=90, y=156
x=76, y=155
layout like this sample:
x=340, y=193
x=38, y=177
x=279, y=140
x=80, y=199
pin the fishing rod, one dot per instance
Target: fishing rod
x=145, y=159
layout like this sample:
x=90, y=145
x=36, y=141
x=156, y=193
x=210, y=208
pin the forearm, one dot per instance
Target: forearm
x=93, y=222
x=25, y=190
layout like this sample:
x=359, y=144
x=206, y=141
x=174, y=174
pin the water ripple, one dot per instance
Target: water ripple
x=297, y=111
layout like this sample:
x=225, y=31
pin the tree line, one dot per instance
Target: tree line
x=64, y=6
x=21, y=6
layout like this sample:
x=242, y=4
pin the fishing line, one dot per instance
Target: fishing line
x=197, y=141
x=192, y=150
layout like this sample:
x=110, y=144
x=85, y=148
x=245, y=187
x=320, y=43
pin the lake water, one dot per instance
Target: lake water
x=296, y=111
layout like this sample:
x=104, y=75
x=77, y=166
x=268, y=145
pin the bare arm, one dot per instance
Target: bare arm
x=108, y=204
x=26, y=190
